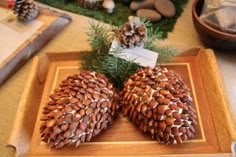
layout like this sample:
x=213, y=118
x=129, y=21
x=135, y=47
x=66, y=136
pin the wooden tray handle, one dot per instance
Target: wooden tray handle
x=22, y=128
x=222, y=115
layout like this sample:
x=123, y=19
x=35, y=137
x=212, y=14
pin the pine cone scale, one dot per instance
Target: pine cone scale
x=26, y=11
x=77, y=120
x=164, y=107
x=132, y=33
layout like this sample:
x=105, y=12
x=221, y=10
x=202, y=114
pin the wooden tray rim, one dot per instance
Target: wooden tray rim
x=18, y=123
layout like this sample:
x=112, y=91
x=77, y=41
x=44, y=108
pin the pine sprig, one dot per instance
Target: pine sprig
x=116, y=69
x=99, y=38
x=165, y=54
x=153, y=36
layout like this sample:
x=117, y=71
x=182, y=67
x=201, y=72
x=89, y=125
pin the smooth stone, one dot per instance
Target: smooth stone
x=149, y=14
x=146, y=4
x=165, y=7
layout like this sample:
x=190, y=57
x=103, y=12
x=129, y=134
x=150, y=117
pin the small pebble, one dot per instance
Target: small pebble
x=146, y=4
x=149, y=14
x=165, y=7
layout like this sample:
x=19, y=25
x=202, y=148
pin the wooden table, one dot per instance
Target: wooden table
x=73, y=38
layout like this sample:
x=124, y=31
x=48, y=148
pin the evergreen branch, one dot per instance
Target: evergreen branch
x=107, y=61
x=116, y=69
x=165, y=54
x=100, y=39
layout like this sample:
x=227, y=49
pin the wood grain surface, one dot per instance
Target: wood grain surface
x=123, y=138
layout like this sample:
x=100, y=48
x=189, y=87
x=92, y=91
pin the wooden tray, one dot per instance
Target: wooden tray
x=52, y=23
x=215, y=132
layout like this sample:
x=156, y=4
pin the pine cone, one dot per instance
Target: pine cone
x=26, y=11
x=132, y=33
x=91, y=4
x=160, y=104
x=81, y=108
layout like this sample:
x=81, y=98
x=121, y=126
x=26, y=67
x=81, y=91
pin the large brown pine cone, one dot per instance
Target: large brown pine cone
x=132, y=34
x=160, y=104
x=79, y=109
x=91, y=4
x=26, y=11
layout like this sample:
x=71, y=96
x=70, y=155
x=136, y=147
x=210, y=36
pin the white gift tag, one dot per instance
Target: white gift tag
x=138, y=55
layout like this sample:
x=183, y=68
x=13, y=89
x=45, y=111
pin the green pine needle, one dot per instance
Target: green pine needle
x=99, y=39
x=116, y=69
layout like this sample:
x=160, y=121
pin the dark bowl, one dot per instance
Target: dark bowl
x=212, y=37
